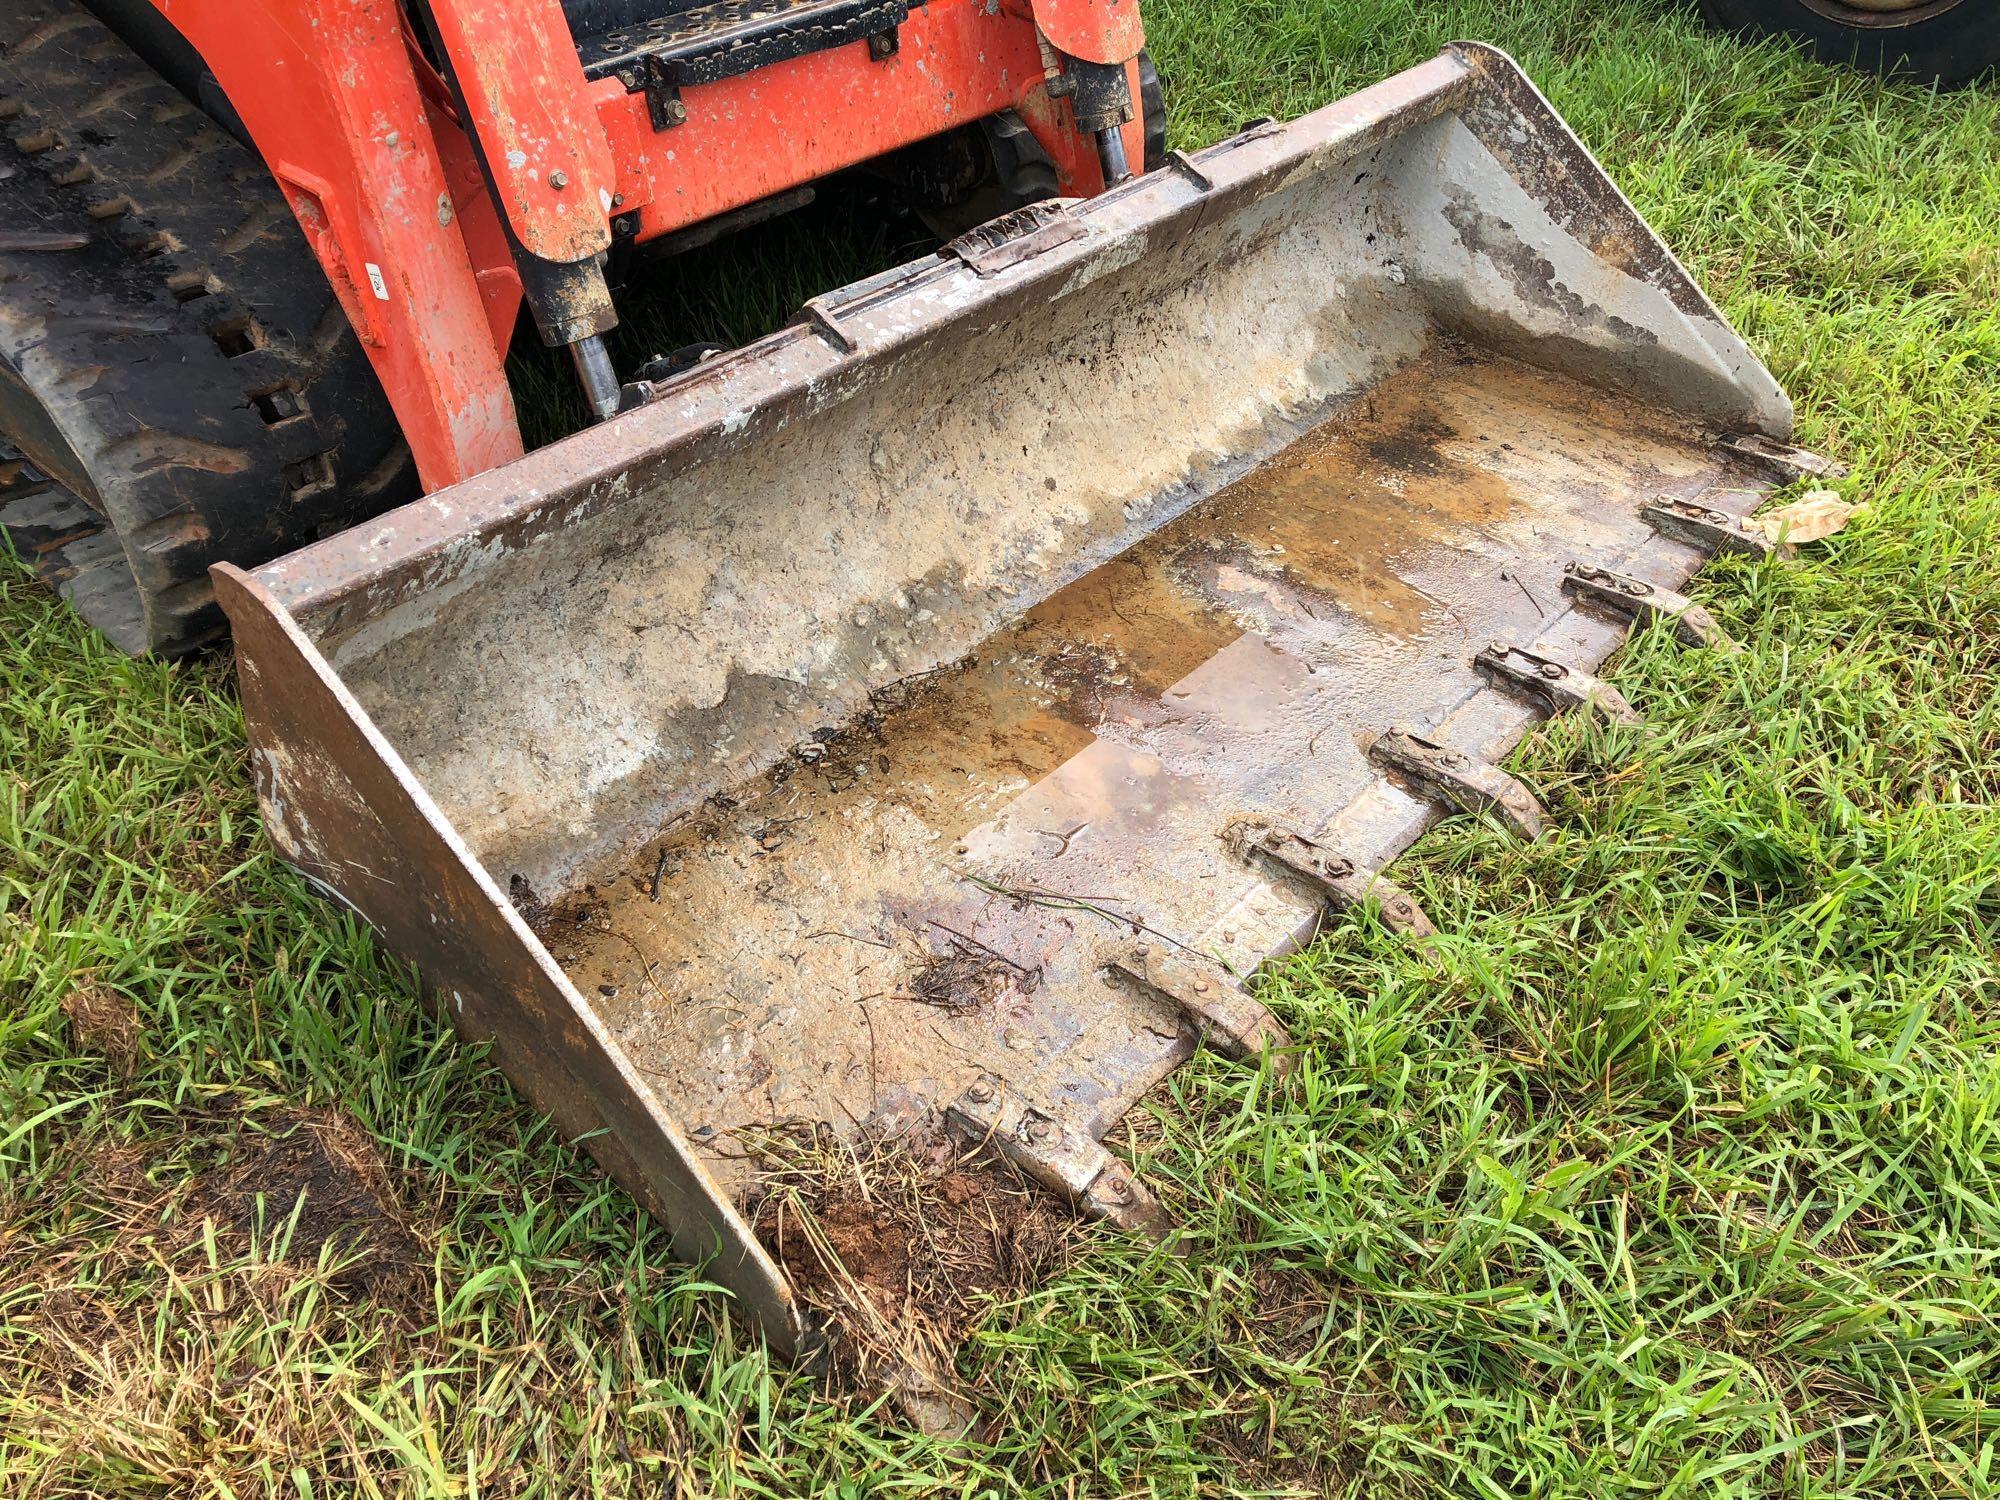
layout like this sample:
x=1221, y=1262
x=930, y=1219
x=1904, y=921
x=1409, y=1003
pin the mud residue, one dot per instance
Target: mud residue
x=313, y=1183
x=103, y=1020
x=900, y=1247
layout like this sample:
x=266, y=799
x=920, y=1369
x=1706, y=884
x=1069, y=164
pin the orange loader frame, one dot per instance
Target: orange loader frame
x=433, y=195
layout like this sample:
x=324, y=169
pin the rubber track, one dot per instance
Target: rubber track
x=159, y=304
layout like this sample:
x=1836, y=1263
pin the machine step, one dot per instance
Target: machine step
x=708, y=43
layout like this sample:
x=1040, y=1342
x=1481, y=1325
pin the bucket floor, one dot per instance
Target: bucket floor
x=928, y=893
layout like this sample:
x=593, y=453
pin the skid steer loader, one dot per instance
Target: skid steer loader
x=920, y=724
x=261, y=261
x=929, y=717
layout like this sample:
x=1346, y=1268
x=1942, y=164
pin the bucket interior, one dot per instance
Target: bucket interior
x=830, y=753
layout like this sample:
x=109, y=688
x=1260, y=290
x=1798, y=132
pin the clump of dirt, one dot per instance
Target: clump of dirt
x=900, y=1246
x=533, y=910
x=321, y=1166
x=962, y=978
x=108, y=1022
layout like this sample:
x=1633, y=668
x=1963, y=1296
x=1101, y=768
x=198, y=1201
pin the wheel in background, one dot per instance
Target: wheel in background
x=1950, y=41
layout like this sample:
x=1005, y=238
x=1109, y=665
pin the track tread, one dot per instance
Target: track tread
x=184, y=298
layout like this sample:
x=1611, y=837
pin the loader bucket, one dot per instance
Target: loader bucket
x=935, y=711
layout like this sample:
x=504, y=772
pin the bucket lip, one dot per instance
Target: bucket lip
x=369, y=568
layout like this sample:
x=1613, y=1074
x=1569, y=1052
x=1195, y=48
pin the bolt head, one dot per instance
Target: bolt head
x=558, y=180
x=1041, y=1130
x=980, y=1093
x=1119, y=1188
x=1552, y=671
x=676, y=111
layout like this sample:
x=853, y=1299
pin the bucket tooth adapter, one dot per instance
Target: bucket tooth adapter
x=1558, y=687
x=812, y=744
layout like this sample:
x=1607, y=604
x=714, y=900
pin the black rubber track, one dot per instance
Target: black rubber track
x=178, y=385
x=1951, y=45
x=1153, y=113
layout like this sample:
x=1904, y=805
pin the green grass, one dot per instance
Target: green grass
x=1672, y=1169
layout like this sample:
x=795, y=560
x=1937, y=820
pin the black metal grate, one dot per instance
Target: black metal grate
x=727, y=37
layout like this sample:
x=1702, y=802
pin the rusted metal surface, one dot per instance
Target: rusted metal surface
x=340, y=805
x=1780, y=460
x=1557, y=686
x=1208, y=998
x=1064, y=1159
x=1338, y=881
x=1646, y=603
x=1458, y=780
x=1704, y=526
x=847, y=715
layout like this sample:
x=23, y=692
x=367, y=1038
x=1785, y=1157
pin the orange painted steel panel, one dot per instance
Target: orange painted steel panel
x=326, y=90
x=1099, y=31
x=791, y=122
x=515, y=63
